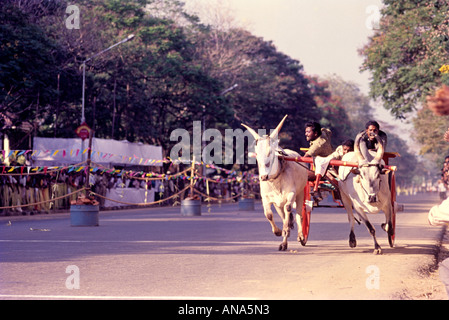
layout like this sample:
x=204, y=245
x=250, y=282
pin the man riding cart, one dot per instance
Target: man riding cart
x=321, y=151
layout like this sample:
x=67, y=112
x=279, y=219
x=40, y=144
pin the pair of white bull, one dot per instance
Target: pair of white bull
x=282, y=183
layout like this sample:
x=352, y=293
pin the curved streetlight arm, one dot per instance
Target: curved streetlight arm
x=131, y=36
x=107, y=49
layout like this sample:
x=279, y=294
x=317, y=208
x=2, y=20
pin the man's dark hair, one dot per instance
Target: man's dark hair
x=349, y=143
x=316, y=127
x=372, y=123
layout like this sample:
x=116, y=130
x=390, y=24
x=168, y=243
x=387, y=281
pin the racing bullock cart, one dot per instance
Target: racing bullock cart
x=366, y=184
x=311, y=202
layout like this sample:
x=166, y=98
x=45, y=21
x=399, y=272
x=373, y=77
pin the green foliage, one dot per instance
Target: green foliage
x=270, y=83
x=430, y=132
x=333, y=113
x=405, y=54
x=173, y=72
x=28, y=63
x=404, y=57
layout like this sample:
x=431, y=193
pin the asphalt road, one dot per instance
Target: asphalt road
x=155, y=253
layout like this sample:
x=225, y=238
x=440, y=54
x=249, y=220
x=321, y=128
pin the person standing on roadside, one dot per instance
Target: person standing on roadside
x=442, y=190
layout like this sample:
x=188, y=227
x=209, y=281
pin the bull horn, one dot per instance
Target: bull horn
x=359, y=155
x=276, y=131
x=254, y=133
x=380, y=149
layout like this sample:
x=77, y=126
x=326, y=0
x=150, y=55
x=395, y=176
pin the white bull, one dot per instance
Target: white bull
x=367, y=190
x=281, y=184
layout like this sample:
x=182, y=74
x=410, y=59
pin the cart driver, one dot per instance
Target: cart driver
x=368, y=140
x=319, y=138
x=320, y=146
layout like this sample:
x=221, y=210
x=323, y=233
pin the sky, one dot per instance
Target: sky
x=324, y=35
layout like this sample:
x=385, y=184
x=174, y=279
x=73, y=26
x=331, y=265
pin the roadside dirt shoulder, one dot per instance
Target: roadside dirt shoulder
x=427, y=284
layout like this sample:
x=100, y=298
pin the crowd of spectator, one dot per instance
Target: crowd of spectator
x=48, y=192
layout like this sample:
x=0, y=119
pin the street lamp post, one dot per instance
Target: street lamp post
x=83, y=118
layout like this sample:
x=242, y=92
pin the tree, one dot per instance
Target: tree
x=333, y=113
x=270, y=83
x=141, y=90
x=404, y=56
x=155, y=84
x=356, y=104
x=429, y=134
x=174, y=71
x=30, y=70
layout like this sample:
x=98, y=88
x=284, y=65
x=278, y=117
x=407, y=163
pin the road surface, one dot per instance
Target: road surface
x=155, y=253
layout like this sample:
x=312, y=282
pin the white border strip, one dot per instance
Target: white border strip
x=33, y=296
x=137, y=241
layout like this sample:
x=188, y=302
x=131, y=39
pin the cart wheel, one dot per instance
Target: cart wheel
x=305, y=216
x=391, y=235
